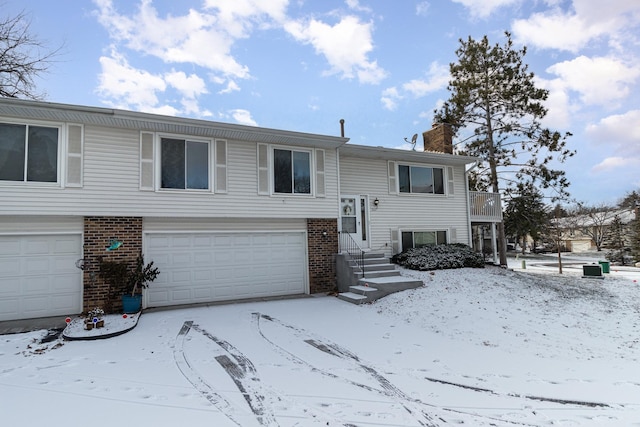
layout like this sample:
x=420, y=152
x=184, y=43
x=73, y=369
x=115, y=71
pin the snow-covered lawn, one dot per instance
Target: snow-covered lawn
x=477, y=347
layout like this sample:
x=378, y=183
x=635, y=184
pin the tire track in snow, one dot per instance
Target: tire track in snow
x=387, y=389
x=411, y=405
x=244, y=375
x=196, y=380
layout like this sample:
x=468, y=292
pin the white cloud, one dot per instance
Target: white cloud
x=345, y=45
x=232, y=86
x=196, y=38
x=599, y=81
x=484, y=8
x=243, y=117
x=128, y=86
x=619, y=132
x=422, y=8
x=390, y=98
x=437, y=78
x=189, y=86
x=574, y=29
x=611, y=164
x=355, y=5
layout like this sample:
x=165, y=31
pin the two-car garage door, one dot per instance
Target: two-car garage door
x=38, y=277
x=217, y=266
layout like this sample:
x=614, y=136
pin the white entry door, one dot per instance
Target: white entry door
x=354, y=218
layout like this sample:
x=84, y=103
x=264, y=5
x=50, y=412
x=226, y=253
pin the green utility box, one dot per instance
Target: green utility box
x=605, y=266
x=592, y=271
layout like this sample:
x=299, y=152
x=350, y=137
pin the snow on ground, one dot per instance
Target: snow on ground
x=476, y=347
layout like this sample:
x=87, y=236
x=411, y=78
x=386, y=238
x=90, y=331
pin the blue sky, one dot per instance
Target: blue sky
x=381, y=65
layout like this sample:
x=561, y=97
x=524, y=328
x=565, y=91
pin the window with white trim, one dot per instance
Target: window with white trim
x=29, y=153
x=417, y=239
x=184, y=164
x=291, y=171
x=421, y=179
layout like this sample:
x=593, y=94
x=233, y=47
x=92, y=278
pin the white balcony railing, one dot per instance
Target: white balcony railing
x=485, y=207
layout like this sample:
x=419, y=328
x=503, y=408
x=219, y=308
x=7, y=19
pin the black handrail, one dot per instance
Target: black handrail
x=351, y=247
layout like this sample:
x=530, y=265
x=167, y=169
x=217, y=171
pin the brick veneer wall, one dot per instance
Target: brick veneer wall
x=98, y=233
x=322, y=253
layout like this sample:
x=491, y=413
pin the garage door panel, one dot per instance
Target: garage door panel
x=220, y=266
x=36, y=246
x=10, y=266
x=36, y=266
x=9, y=246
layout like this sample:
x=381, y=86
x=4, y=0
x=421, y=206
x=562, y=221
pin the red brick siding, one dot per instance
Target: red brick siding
x=322, y=252
x=98, y=233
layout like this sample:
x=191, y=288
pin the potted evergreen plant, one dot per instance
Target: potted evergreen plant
x=138, y=279
x=128, y=280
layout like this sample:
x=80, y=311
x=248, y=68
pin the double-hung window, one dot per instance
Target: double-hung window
x=291, y=171
x=28, y=153
x=420, y=179
x=184, y=164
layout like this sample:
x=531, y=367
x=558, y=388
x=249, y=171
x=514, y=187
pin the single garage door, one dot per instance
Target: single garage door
x=209, y=266
x=38, y=276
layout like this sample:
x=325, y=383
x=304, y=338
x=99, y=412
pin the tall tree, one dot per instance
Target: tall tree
x=494, y=95
x=525, y=215
x=23, y=58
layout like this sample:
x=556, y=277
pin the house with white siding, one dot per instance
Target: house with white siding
x=225, y=211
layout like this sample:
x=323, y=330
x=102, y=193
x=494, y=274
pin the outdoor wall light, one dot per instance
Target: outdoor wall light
x=324, y=233
x=376, y=202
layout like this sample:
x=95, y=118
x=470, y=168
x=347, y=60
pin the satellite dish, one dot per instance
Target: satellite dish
x=414, y=138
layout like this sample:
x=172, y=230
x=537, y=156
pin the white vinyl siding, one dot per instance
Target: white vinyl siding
x=75, y=144
x=111, y=186
x=396, y=212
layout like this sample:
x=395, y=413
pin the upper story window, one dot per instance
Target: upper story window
x=28, y=153
x=419, y=179
x=291, y=171
x=184, y=164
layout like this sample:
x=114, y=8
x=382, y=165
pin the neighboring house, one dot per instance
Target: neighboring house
x=225, y=211
x=578, y=233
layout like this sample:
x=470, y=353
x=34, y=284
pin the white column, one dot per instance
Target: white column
x=494, y=243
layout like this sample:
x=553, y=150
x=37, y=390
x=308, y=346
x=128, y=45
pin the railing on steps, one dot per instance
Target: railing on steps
x=349, y=246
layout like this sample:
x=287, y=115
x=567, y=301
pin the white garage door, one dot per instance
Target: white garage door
x=38, y=276
x=206, y=267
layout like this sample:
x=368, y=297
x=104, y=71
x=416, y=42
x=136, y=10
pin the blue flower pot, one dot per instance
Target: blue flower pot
x=131, y=304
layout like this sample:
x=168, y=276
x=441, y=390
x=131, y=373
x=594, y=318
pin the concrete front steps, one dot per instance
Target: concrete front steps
x=380, y=279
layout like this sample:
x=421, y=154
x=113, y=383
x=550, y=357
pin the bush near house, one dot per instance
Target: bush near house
x=439, y=257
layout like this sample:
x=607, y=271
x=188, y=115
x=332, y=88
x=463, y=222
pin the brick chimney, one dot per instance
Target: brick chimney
x=439, y=138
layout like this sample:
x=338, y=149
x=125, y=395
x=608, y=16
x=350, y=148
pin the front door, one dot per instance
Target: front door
x=354, y=215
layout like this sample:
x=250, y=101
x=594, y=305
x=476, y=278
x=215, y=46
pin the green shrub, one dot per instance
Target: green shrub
x=439, y=257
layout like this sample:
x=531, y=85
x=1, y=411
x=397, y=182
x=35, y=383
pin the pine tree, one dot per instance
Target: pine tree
x=494, y=96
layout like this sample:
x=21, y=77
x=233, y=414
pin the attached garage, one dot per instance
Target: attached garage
x=38, y=275
x=208, y=266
